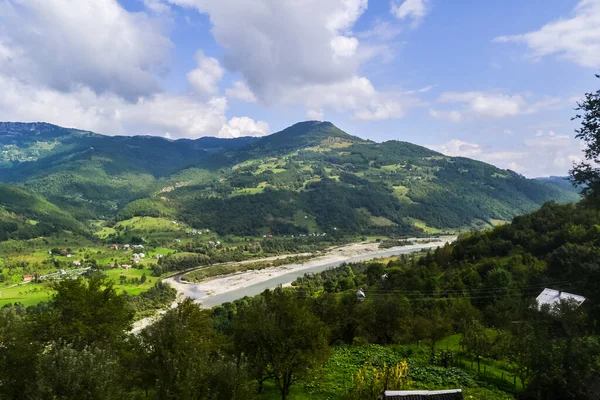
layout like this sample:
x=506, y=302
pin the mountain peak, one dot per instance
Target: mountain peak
x=305, y=134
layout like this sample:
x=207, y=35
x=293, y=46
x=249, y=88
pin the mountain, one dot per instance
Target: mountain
x=24, y=215
x=94, y=175
x=310, y=177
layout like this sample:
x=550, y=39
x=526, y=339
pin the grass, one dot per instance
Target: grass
x=247, y=191
x=142, y=224
x=401, y=193
x=427, y=229
x=492, y=368
x=115, y=276
x=497, y=222
x=309, y=223
x=335, y=378
x=28, y=294
x=269, y=166
x=149, y=224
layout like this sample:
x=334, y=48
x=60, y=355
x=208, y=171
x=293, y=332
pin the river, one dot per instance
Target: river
x=228, y=288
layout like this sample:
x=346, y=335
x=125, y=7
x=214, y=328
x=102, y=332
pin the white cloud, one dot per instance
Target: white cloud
x=63, y=44
x=299, y=53
x=357, y=95
x=159, y=114
x=503, y=159
x=414, y=9
x=344, y=46
x=458, y=148
x=548, y=140
x=381, y=30
x=576, y=39
x=262, y=41
x=244, y=126
x=452, y=116
x=93, y=65
x=205, y=78
x=316, y=115
x=492, y=105
x=544, y=153
x=157, y=6
x=241, y=91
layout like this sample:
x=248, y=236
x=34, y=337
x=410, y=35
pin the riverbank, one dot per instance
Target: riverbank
x=215, y=291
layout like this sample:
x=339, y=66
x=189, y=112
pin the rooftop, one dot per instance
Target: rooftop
x=552, y=297
x=453, y=394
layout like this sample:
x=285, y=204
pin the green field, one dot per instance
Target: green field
x=28, y=294
x=335, y=379
x=245, y=191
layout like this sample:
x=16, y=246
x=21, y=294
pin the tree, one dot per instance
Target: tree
x=86, y=312
x=387, y=318
x=279, y=336
x=586, y=174
x=478, y=341
x=18, y=354
x=180, y=352
x=89, y=373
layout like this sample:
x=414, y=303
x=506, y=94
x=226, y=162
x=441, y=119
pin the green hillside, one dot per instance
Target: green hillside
x=345, y=183
x=24, y=215
x=310, y=177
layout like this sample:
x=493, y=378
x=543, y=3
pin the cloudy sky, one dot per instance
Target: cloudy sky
x=494, y=80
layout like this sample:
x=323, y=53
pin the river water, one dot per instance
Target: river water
x=210, y=301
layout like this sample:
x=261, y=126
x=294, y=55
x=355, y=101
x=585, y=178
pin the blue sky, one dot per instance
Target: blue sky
x=491, y=80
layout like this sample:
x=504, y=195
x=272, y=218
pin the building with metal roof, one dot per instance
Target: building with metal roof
x=552, y=297
x=453, y=394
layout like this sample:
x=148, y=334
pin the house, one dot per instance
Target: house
x=141, y=255
x=453, y=394
x=126, y=266
x=28, y=278
x=77, y=263
x=69, y=255
x=111, y=265
x=136, y=260
x=360, y=295
x=126, y=247
x=114, y=246
x=553, y=297
x=64, y=252
x=138, y=246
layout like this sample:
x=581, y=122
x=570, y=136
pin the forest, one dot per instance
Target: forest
x=478, y=290
x=252, y=186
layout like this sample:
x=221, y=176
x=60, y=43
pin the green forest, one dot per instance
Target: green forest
x=250, y=186
x=462, y=315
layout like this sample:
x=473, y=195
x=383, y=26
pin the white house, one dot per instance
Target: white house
x=553, y=297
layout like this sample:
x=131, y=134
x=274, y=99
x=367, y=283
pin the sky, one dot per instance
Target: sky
x=494, y=80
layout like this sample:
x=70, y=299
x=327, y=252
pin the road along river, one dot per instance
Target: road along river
x=227, y=288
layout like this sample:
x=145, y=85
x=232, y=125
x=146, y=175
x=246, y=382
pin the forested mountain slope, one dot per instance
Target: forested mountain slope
x=24, y=215
x=315, y=176
x=310, y=177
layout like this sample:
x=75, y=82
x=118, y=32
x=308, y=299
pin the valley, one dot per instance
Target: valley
x=227, y=288
x=368, y=252
x=206, y=201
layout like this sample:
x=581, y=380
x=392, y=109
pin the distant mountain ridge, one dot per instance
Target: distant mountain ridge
x=311, y=176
